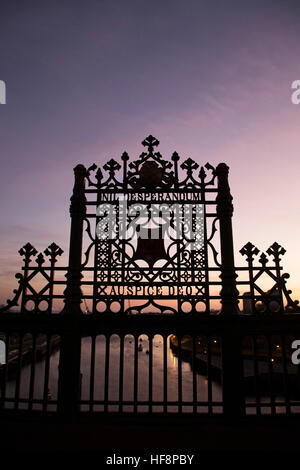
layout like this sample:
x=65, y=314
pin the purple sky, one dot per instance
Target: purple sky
x=210, y=79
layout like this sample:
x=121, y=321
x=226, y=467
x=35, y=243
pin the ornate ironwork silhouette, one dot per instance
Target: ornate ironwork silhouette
x=140, y=257
x=151, y=252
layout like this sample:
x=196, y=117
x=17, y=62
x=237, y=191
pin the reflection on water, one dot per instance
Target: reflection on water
x=38, y=390
x=143, y=375
x=191, y=380
x=142, y=391
x=194, y=382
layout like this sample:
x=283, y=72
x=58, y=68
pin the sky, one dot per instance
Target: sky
x=210, y=79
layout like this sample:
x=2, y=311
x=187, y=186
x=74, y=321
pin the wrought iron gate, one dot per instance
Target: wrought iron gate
x=151, y=252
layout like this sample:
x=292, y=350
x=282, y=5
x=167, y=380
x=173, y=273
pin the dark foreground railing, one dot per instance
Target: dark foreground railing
x=233, y=366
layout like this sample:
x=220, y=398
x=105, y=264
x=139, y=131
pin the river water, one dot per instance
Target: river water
x=128, y=379
x=128, y=390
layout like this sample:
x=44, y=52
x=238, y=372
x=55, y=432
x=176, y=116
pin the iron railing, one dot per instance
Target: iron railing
x=240, y=365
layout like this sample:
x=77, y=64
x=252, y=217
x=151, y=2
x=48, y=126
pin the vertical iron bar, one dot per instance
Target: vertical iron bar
x=205, y=248
x=285, y=376
x=32, y=372
x=179, y=376
x=195, y=398
x=150, y=371
x=256, y=377
x=125, y=159
x=135, y=380
x=278, y=276
x=165, y=367
x=51, y=284
x=19, y=368
x=92, y=373
x=175, y=158
x=25, y=280
x=209, y=378
x=271, y=375
x=121, y=372
x=46, y=376
x=232, y=369
x=251, y=284
x=97, y=247
x=106, y=383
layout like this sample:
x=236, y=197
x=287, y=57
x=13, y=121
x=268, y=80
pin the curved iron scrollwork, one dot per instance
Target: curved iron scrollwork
x=14, y=302
x=150, y=171
x=149, y=267
x=152, y=245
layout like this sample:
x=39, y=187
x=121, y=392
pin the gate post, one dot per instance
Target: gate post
x=232, y=354
x=72, y=292
x=229, y=292
x=70, y=351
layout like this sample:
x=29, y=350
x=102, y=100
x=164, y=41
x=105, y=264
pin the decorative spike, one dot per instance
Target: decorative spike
x=125, y=156
x=250, y=251
x=135, y=165
x=99, y=175
x=27, y=251
x=40, y=259
x=150, y=142
x=276, y=250
x=263, y=259
x=189, y=165
x=202, y=174
x=175, y=157
x=53, y=251
x=112, y=166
